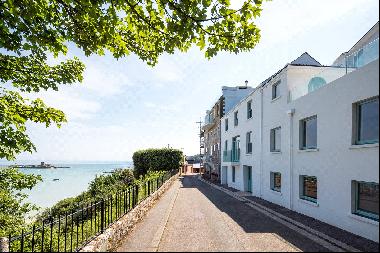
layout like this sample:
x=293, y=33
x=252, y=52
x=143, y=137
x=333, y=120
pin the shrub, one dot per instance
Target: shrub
x=164, y=159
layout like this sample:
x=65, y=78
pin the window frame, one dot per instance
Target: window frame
x=273, y=139
x=236, y=118
x=249, y=109
x=357, y=122
x=272, y=181
x=355, y=201
x=303, y=133
x=302, y=189
x=248, y=134
x=275, y=91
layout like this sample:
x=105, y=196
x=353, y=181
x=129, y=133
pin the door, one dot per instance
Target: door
x=224, y=175
x=249, y=179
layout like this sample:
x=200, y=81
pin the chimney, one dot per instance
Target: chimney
x=246, y=83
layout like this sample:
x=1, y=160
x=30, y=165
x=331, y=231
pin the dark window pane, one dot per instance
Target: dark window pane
x=368, y=198
x=368, y=121
x=311, y=133
x=277, y=181
x=275, y=92
x=310, y=187
x=277, y=139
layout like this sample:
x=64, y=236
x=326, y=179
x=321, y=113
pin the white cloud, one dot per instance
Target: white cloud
x=104, y=79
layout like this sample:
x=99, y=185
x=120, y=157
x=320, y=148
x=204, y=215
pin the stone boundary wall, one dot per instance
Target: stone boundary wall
x=112, y=236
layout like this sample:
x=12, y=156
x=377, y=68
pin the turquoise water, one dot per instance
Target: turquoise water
x=72, y=181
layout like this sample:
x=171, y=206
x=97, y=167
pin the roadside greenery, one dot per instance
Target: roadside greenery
x=101, y=187
x=79, y=218
x=149, y=160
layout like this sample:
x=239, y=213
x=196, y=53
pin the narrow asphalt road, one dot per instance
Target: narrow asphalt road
x=193, y=216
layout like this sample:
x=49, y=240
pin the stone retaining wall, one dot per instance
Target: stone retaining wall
x=112, y=237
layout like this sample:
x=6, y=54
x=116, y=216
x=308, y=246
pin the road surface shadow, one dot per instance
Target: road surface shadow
x=250, y=220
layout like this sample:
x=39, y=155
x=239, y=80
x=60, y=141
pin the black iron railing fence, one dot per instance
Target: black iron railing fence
x=73, y=230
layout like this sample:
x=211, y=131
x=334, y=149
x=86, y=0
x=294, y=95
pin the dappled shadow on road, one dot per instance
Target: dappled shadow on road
x=250, y=220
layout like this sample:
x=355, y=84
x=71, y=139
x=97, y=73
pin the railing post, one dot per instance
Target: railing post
x=136, y=195
x=102, y=216
x=4, y=244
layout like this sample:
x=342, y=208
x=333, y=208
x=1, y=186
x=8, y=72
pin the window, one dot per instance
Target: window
x=226, y=145
x=315, y=83
x=366, y=199
x=249, y=109
x=275, y=90
x=308, y=133
x=236, y=119
x=226, y=124
x=366, y=121
x=308, y=188
x=249, y=142
x=236, y=149
x=275, y=139
x=275, y=181
x=233, y=174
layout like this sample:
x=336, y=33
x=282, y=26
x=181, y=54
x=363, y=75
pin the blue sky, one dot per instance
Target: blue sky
x=124, y=105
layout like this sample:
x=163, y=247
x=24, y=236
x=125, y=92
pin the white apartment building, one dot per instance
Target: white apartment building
x=307, y=139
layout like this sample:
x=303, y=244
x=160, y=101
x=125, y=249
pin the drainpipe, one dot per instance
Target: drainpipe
x=261, y=139
x=291, y=114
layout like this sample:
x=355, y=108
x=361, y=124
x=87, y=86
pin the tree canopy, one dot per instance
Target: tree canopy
x=30, y=30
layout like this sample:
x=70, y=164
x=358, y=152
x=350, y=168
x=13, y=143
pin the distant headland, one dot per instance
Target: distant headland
x=42, y=165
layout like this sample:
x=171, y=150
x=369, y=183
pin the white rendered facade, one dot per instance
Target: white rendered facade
x=335, y=163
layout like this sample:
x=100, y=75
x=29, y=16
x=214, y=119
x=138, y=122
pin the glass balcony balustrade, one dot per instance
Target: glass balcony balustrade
x=231, y=155
x=301, y=85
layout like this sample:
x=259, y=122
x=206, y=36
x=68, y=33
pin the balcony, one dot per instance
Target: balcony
x=231, y=155
x=325, y=75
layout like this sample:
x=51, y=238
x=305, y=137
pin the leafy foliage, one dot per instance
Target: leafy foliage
x=29, y=30
x=12, y=208
x=32, y=30
x=150, y=160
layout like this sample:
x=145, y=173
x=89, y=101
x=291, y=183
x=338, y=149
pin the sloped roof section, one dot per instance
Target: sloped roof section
x=306, y=60
x=303, y=60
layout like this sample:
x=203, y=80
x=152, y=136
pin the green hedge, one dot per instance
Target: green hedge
x=163, y=159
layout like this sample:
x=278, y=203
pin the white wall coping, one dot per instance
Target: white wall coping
x=275, y=99
x=308, y=150
x=360, y=146
x=276, y=192
x=310, y=203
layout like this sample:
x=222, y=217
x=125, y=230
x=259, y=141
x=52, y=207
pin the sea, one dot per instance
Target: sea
x=61, y=183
